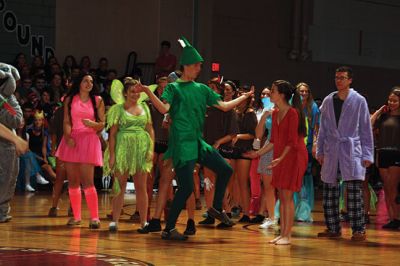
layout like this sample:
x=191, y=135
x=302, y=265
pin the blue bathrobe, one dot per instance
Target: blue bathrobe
x=348, y=144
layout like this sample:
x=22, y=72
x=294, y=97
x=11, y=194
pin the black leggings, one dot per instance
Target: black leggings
x=184, y=174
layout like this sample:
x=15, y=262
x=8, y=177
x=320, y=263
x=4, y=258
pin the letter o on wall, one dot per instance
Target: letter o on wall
x=2, y=5
x=9, y=21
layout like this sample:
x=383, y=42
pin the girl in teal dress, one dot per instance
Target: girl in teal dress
x=130, y=151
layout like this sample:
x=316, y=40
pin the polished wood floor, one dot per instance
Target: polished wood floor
x=241, y=245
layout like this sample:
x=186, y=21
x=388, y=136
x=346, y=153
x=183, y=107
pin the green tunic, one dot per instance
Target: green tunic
x=189, y=101
x=133, y=146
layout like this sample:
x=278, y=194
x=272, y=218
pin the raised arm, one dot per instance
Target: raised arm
x=226, y=106
x=162, y=107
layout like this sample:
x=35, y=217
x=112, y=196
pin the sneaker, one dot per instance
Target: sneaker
x=94, y=224
x=393, y=224
x=135, y=217
x=154, y=225
x=258, y=219
x=53, y=212
x=173, y=235
x=41, y=180
x=73, y=222
x=144, y=229
x=207, y=221
x=113, y=227
x=330, y=234
x=29, y=188
x=359, y=236
x=5, y=219
x=245, y=219
x=221, y=216
x=198, y=204
x=267, y=223
x=190, y=228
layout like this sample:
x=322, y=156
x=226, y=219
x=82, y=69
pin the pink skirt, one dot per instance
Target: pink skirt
x=87, y=149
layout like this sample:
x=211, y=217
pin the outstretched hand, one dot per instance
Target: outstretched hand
x=141, y=88
x=249, y=93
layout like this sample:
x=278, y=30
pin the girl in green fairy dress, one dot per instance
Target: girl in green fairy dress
x=130, y=151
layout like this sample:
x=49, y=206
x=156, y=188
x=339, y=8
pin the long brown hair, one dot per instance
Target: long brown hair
x=75, y=90
x=309, y=102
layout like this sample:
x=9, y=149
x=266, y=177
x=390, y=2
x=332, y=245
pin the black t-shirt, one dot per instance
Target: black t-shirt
x=337, y=106
x=219, y=124
x=388, y=131
x=36, y=141
x=247, y=123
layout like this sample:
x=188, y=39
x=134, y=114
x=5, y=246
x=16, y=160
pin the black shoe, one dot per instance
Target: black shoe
x=258, y=219
x=394, y=224
x=94, y=224
x=244, y=219
x=190, y=228
x=154, y=225
x=221, y=216
x=173, y=235
x=207, y=221
x=224, y=226
x=144, y=229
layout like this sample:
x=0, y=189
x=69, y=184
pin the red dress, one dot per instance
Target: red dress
x=288, y=174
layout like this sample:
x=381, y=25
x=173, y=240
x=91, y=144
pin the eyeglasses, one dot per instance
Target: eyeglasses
x=341, y=78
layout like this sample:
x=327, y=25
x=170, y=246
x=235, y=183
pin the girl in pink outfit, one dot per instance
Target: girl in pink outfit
x=80, y=146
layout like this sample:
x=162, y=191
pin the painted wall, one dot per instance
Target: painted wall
x=26, y=26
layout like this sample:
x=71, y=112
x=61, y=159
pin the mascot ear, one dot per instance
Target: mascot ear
x=8, y=77
x=15, y=73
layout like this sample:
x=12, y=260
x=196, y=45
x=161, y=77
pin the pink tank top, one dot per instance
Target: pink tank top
x=81, y=110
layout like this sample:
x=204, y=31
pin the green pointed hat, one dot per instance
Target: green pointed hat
x=189, y=54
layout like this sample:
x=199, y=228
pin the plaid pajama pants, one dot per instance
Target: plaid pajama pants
x=355, y=205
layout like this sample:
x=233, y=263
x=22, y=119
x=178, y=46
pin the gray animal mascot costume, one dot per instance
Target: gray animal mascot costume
x=11, y=117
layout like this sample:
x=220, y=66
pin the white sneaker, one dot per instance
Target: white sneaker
x=267, y=223
x=28, y=188
x=40, y=179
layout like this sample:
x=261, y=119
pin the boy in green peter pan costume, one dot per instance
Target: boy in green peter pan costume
x=186, y=102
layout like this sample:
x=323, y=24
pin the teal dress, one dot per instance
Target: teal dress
x=133, y=146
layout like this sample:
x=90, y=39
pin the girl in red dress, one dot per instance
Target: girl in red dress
x=290, y=153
